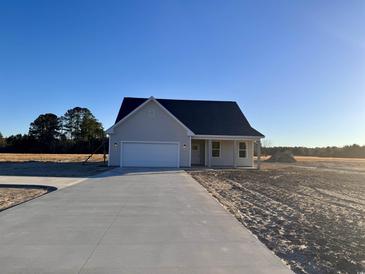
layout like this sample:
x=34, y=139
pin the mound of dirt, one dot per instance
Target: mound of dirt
x=282, y=157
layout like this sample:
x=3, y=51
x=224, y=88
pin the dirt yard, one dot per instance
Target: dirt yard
x=13, y=196
x=314, y=219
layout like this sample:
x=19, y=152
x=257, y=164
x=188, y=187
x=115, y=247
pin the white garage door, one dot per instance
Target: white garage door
x=149, y=154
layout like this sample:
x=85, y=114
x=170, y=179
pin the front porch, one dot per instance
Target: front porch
x=225, y=152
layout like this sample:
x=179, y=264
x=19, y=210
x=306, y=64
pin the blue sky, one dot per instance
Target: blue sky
x=296, y=68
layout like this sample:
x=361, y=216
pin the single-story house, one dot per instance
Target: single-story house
x=150, y=132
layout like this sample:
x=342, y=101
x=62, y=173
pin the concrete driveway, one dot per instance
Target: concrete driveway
x=142, y=222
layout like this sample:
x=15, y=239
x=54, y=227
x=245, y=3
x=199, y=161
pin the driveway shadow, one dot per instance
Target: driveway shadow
x=147, y=170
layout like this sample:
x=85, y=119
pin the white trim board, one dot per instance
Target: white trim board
x=189, y=151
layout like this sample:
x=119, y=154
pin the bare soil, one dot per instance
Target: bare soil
x=13, y=196
x=314, y=219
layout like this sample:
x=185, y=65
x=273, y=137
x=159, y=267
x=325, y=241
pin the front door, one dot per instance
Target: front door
x=195, y=154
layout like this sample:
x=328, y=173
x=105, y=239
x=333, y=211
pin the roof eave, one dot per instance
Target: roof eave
x=227, y=137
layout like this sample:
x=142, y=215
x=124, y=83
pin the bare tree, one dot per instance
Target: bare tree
x=266, y=143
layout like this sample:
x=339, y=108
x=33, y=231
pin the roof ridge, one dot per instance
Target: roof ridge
x=189, y=100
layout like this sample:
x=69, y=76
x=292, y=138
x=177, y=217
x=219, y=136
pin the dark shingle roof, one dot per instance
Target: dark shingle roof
x=201, y=117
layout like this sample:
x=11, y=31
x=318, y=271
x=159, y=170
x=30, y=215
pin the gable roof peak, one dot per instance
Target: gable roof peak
x=202, y=117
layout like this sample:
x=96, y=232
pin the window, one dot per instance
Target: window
x=195, y=147
x=216, y=149
x=242, y=151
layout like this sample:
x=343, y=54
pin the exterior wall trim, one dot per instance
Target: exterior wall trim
x=190, y=151
x=109, y=149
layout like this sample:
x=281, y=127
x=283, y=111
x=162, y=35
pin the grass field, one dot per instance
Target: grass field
x=335, y=164
x=51, y=165
x=349, y=164
x=65, y=158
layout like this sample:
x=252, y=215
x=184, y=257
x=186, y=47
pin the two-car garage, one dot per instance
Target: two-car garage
x=149, y=154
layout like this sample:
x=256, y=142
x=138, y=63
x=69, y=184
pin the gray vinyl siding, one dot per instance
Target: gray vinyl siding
x=150, y=123
x=227, y=154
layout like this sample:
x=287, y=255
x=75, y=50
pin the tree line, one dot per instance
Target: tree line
x=350, y=151
x=77, y=131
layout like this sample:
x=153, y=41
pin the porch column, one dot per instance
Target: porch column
x=258, y=154
x=209, y=153
x=190, y=151
x=235, y=153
